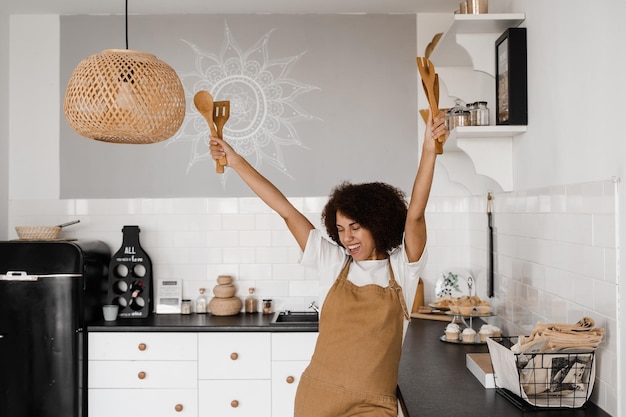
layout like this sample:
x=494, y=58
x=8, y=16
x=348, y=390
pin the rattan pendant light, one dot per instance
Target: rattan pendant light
x=124, y=96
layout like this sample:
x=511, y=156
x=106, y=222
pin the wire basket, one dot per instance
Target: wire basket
x=542, y=380
x=38, y=232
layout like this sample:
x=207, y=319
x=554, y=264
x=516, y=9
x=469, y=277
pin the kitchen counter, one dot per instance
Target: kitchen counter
x=434, y=380
x=200, y=323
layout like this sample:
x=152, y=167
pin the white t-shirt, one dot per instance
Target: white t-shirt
x=328, y=258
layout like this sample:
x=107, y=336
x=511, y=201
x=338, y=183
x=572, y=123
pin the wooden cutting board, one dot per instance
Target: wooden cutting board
x=431, y=316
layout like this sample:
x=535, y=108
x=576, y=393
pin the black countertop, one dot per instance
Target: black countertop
x=199, y=323
x=434, y=380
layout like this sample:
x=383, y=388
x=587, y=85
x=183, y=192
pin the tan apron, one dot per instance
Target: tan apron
x=354, y=368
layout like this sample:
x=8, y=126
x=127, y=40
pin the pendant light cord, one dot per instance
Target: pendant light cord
x=126, y=23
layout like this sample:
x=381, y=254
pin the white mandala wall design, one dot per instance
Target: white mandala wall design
x=263, y=108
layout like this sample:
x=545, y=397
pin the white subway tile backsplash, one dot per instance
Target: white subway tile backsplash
x=575, y=228
x=604, y=233
x=288, y=272
x=604, y=298
x=189, y=239
x=239, y=255
x=216, y=238
x=256, y=271
x=282, y=238
x=206, y=255
x=238, y=222
x=309, y=289
x=255, y=238
x=223, y=205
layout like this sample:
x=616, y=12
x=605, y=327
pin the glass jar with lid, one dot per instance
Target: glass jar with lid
x=458, y=115
x=201, y=302
x=251, y=304
x=482, y=114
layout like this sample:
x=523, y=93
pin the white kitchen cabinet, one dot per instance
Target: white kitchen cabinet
x=143, y=346
x=231, y=355
x=132, y=374
x=291, y=353
x=196, y=374
x=235, y=374
x=143, y=402
x=230, y=398
x=143, y=374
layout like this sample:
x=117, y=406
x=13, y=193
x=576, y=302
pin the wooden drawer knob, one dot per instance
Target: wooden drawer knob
x=234, y=356
x=234, y=403
x=142, y=347
x=290, y=379
x=141, y=375
x=178, y=407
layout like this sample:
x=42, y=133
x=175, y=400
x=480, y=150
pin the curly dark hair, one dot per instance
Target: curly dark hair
x=378, y=207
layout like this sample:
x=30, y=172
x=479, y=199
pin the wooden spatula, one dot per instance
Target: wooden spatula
x=203, y=100
x=220, y=115
x=430, y=83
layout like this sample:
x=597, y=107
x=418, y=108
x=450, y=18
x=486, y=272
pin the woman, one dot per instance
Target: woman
x=379, y=246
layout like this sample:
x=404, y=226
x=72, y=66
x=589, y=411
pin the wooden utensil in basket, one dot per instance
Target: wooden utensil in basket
x=430, y=83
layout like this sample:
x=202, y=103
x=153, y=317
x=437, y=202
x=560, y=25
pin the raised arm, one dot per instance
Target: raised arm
x=298, y=224
x=415, y=227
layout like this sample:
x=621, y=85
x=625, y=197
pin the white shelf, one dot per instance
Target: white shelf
x=490, y=148
x=470, y=40
x=502, y=131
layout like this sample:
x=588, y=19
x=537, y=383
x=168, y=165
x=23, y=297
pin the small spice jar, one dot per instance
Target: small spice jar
x=267, y=306
x=251, y=304
x=482, y=112
x=201, y=302
x=185, y=307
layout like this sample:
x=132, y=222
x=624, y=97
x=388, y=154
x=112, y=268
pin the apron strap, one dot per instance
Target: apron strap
x=393, y=284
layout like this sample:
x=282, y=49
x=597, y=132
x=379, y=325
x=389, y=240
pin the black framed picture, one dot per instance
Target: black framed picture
x=511, y=78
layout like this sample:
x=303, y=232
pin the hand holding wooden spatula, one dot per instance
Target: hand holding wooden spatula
x=430, y=83
x=216, y=114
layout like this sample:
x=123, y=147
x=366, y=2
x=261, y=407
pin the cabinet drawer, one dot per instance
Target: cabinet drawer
x=234, y=356
x=149, y=402
x=244, y=398
x=143, y=346
x=285, y=379
x=142, y=374
x=293, y=346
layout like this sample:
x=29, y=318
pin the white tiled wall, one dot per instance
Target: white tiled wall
x=556, y=261
x=555, y=249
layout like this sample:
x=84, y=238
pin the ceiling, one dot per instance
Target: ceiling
x=226, y=6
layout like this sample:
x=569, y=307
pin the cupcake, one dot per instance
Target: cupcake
x=485, y=332
x=483, y=307
x=469, y=335
x=488, y=330
x=496, y=332
x=452, y=331
x=465, y=306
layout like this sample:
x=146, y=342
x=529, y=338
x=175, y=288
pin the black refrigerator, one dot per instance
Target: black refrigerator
x=49, y=292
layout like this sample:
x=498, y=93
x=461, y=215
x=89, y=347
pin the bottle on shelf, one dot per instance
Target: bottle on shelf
x=201, y=302
x=252, y=304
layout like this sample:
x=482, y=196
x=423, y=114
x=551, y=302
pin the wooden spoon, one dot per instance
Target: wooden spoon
x=203, y=100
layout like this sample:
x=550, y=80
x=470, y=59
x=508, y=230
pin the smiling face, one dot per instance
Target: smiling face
x=357, y=239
